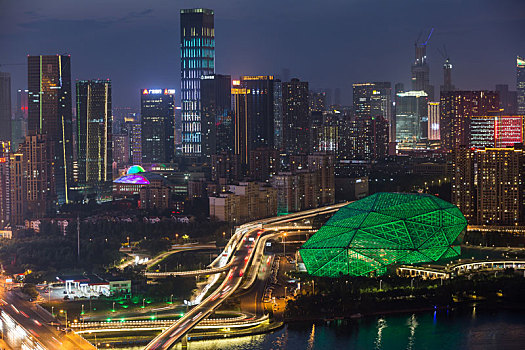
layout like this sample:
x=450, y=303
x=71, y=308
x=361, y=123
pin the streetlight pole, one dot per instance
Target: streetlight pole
x=171, y=299
x=380, y=284
x=143, y=300
x=52, y=311
x=113, y=309
x=284, y=244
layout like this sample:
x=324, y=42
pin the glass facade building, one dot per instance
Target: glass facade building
x=365, y=237
x=50, y=113
x=216, y=115
x=157, y=125
x=411, y=118
x=197, y=45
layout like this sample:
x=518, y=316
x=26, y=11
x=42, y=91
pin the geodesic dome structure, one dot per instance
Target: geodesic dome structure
x=366, y=236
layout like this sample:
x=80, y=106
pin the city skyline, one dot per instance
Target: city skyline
x=132, y=59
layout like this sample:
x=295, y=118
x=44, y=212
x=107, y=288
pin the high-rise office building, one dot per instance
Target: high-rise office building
x=94, y=137
x=507, y=100
x=121, y=151
x=216, y=115
x=197, y=45
x=5, y=184
x=5, y=106
x=447, y=77
x=19, y=123
x=260, y=110
x=32, y=180
x=50, y=114
x=240, y=122
x=433, y=121
x=135, y=142
x=157, y=125
x=411, y=118
x=296, y=122
x=253, y=100
x=373, y=100
x=17, y=194
x=456, y=109
x=421, y=70
x=364, y=138
x=278, y=141
x=520, y=84
x=317, y=101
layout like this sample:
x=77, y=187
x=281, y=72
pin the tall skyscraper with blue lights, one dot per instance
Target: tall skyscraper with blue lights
x=197, y=41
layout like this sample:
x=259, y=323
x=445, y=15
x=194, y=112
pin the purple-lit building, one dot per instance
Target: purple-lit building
x=136, y=178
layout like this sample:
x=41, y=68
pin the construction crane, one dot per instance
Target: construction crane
x=428, y=38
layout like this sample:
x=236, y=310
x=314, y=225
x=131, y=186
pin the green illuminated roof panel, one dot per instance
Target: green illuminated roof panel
x=366, y=236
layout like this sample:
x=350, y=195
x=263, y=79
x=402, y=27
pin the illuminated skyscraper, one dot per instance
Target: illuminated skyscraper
x=433, y=121
x=216, y=116
x=296, y=121
x=32, y=182
x=5, y=184
x=456, y=109
x=49, y=85
x=411, y=118
x=5, y=106
x=94, y=136
x=520, y=84
x=158, y=125
x=373, y=100
x=253, y=98
x=197, y=42
x=240, y=122
x=135, y=143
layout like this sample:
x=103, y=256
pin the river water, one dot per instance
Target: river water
x=469, y=328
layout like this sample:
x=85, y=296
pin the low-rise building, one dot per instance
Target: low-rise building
x=244, y=202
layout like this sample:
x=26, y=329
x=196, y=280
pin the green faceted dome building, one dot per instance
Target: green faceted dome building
x=366, y=236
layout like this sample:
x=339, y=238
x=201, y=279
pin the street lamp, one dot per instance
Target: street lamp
x=171, y=299
x=52, y=311
x=143, y=301
x=380, y=284
x=82, y=310
x=64, y=312
x=284, y=244
x=113, y=309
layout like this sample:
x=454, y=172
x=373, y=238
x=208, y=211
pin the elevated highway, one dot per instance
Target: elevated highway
x=243, y=248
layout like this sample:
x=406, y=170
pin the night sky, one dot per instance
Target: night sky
x=328, y=43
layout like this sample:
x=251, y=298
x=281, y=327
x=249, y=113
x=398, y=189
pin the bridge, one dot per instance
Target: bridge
x=145, y=325
x=459, y=268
